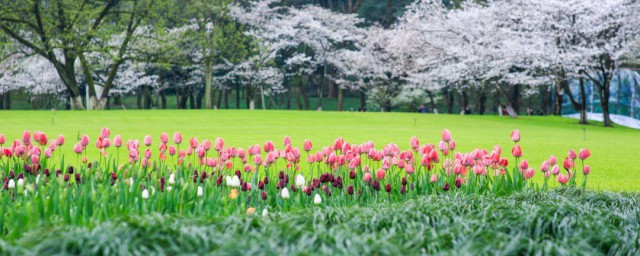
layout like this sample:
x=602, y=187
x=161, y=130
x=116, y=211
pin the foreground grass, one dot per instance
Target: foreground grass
x=614, y=162
x=561, y=222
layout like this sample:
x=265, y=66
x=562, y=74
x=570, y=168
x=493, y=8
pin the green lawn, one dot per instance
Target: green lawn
x=614, y=159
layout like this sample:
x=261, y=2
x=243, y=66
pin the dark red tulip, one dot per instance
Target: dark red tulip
x=66, y=177
x=46, y=172
x=404, y=181
x=114, y=176
x=260, y=185
x=70, y=170
x=264, y=195
x=238, y=173
x=403, y=189
x=376, y=185
x=12, y=174
x=388, y=188
x=78, y=178
x=350, y=190
x=458, y=183
x=266, y=180
x=446, y=187
x=352, y=174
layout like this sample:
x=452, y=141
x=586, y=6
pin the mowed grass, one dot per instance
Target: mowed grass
x=615, y=160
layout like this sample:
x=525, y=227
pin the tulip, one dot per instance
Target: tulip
x=552, y=160
x=265, y=213
x=568, y=163
x=105, y=133
x=35, y=159
x=515, y=135
x=367, y=177
x=286, y=141
x=544, y=167
x=555, y=170
x=84, y=140
x=218, y=144
x=415, y=143
x=147, y=140
x=300, y=182
x=584, y=154
x=410, y=169
x=177, y=138
x=586, y=170
x=200, y=192
x=3, y=139
x=524, y=165
x=12, y=184
x=172, y=179
x=562, y=179
x=529, y=173
x=20, y=183
x=106, y=143
x=387, y=188
x=452, y=145
x=380, y=173
x=145, y=194
x=317, y=199
x=117, y=141
x=516, y=151
x=47, y=153
x=434, y=178
x=268, y=147
x=77, y=148
x=446, y=135
x=442, y=146
x=284, y=193
x=26, y=137
x=572, y=154
x=307, y=145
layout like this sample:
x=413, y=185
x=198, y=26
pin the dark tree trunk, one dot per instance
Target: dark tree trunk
x=192, y=100
x=583, y=103
x=448, y=99
x=545, y=96
x=432, y=103
x=482, y=100
x=163, y=99
x=139, y=97
x=340, y=99
x=557, y=103
x=604, y=101
x=226, y=98
x=515, y=98
x=305, y=98
x=237, y=94
x=199, y=99
x=247, y=95
x=219, y=103
x=363, y=100
x=147, y=97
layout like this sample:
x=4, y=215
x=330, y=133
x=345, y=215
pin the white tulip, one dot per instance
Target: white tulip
x=317, y=199
x=233, y=181
x=20, y=183
x=265, y=212
x=300, y=181
x=200, y=191
x=172, y=179
x=145, y=194
x=37, y=179
x=169, y=188
x=285, y=193
x=12, y=184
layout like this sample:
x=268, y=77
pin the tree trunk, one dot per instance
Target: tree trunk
x=604, y=99
x=340, y=99
x=583, y=103
x=192, y=99
x=515, y=98
x=139, y=97
x=163, y=99
x=363, y=101
x=305, y=97
x=76, y=103
x=557, y=103
x=482, y=100
x=199, y=99
x=432, y=102
x=219, y=103
x=147, y=97
x=448, y=99
x=237, y=93
x=208, y=69
x=226, y=98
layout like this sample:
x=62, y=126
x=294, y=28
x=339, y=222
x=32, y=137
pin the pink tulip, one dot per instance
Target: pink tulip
x=434, y=178
x=307, y=145
x=410, y=169
x=147, y=140
x=35, y=159
x=182, y=153
x=524, y=165
x=164, y=138
x=219, y=144
x=528, y=173
x=212, y=162
x=117, y=141
x=2, y=139
x=547, y=175
x=544, y=167
x=47, y=153
x=433, y=156
x=425, y=161
x=442, y=146
x=194, y=142
x=172, y=150
x=147, y=153
x=228, y=164
x=60, y=140
x=268, y=146
x=257, y=160
x=84, y=140
x=552, y=160
x=446, y=135
x=337, y=144
x=53, y=146
x=562, y=179
x=105, y=133
x=479, y=170
x=555, y=170
x=515, y=135
x=286, y=141
x=367, y=177
x=572, y=154
x=106, y=143
x=497, y=149
x=380, y=173
x=415, y=143
x=206, y=145
x=568, y=163
x=584, y=153
x=26, y=137
x=177, y=138
x=516, y=151
x=452, y=145
x=586, y=170
x=78, y=148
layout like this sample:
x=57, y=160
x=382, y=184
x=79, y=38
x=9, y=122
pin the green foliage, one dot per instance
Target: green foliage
x=561, y=222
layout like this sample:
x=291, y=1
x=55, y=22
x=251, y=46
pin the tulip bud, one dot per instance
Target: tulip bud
x=145, y=194
x=317, y=199
x=285, y=192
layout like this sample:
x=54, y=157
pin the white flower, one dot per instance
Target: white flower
x=130, y=181
x=172, y=179
x=26, y=192
x=317, y=199
x=169, y=188
x=145, y=194
x=200, y=191
x=20, y=183
x=12, y=184
x=265, y=212
x=285, y=193
x=153, y=190
x=233, y=181
x=37, y=179
x=300, y=181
